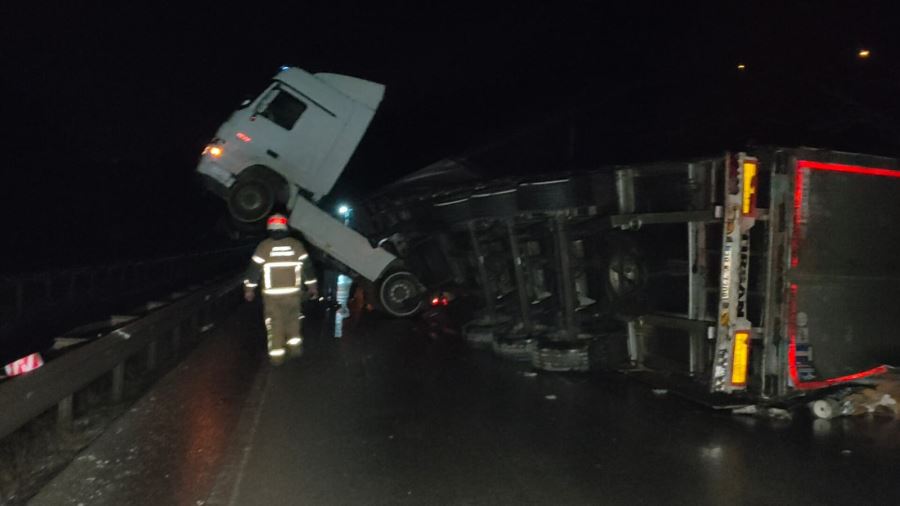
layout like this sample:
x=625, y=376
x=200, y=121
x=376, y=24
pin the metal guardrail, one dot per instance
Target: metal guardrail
x=35, y=306
x=55, y=384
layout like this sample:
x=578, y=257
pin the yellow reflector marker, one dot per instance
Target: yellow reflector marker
x=748, y=201
x=740, y=357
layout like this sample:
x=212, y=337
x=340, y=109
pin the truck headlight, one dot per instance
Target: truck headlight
x=214, y=148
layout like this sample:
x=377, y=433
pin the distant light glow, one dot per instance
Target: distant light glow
x=435, y=301
x=284, y=67
x=343, y=210
x=215, y=151
x=864, y=53
x=741, y=66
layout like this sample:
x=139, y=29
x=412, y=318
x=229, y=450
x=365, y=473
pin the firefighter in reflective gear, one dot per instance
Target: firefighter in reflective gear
x=281, y=265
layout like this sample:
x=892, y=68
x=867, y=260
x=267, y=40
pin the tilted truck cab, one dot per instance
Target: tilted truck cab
x=296, y=136
x=286, y=149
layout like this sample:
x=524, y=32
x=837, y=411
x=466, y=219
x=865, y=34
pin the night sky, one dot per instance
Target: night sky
x=107, y=108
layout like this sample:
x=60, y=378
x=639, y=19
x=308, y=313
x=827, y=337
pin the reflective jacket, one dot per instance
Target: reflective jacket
x=281, y=265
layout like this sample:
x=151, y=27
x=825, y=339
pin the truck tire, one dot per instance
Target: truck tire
x=561, y=356
x=251, y=200
x=399, y=294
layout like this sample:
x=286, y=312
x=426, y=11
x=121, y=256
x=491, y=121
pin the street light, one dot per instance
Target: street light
x=741, y=66
x=344, y=212
x=863, y=53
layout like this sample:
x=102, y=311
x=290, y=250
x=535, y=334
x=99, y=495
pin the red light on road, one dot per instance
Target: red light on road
x=435, y=301
x=445, y=301
x=242, y=136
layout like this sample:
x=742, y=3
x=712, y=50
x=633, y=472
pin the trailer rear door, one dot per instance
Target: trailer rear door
x=844, y=300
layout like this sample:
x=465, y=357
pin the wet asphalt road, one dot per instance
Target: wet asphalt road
x=383, y=416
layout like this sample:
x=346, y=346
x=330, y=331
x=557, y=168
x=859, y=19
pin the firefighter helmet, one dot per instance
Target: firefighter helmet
x=277, y=222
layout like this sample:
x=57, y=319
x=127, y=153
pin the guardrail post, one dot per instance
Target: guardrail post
x=118, y=382
x=151, y=355
x=64, y=413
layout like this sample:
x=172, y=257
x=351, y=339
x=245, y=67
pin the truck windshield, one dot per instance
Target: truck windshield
x=281, y=108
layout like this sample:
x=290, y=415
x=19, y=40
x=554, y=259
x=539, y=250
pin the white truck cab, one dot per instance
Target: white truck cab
x=286, y=148
x=295, y=137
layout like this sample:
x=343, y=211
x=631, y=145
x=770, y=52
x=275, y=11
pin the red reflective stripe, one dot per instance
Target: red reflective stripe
x=796, y=238
x=851, y=169
x=277, y=220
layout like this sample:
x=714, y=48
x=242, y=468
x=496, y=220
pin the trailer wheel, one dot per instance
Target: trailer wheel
x=251, y=200
x=626, y=274
x=400, y=294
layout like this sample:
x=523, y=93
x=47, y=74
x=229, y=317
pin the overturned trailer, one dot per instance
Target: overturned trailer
x=785, y=273
x=762, y=274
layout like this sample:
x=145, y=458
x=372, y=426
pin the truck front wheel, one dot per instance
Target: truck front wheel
x=400, y=294
x=251, y=200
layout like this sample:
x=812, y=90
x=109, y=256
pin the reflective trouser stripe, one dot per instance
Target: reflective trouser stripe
x=282, y=319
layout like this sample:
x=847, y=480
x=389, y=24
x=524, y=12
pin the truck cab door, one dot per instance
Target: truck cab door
x=294, y=133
